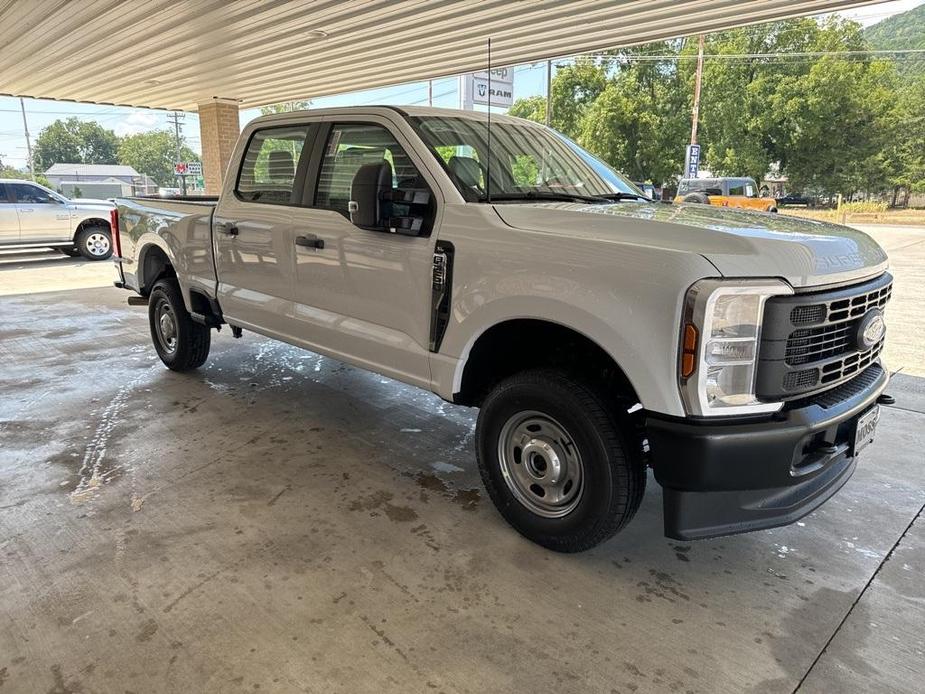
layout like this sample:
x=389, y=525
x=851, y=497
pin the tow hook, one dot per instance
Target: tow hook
x=885, y=399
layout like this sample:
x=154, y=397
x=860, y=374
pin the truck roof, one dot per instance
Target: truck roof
x=404, y=110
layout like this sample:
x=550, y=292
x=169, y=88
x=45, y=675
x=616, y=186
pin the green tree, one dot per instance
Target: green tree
x=73, y=141
x=7, y=171
x=574, y=89
x=286, y=107
x=532, y=108
x=741, y=125
x=903, y=157
x=638, y=123
x=154, y=153
x=833, y=125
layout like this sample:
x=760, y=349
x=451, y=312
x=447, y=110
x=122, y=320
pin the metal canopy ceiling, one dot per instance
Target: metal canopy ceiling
x=177, y=54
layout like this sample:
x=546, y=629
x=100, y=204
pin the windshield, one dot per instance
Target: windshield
x=526, y=162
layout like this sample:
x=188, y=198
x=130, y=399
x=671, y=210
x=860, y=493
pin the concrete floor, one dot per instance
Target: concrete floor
x=281, y=522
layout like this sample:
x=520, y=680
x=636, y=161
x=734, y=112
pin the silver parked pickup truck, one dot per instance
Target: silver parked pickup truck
x=32, y=216
x=735, y=353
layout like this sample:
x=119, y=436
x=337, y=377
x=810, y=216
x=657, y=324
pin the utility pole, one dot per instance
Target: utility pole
x=695, y=112
x=692, y=155
x=25, y=127
x=175, y=118
x=548, y=93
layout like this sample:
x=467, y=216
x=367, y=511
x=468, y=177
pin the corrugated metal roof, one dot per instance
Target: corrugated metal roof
x=64, y=169
x=169, y=54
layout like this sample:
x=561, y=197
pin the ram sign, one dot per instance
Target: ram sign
x=500, y=89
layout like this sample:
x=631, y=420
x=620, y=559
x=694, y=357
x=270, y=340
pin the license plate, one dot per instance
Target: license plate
x=864, y=432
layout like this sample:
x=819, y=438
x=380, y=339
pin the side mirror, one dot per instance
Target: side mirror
x=376, y=206
x=369, y=206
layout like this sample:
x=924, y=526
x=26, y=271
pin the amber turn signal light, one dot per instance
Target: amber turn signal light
x=689, y=351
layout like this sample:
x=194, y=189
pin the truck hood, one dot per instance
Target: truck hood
x=804, y=252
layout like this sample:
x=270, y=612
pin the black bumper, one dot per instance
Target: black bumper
x=722, y=478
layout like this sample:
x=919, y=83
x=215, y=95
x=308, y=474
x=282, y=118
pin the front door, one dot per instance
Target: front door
x=42, y=217
x=9, y=217
x=252, y=230
x=365, y=296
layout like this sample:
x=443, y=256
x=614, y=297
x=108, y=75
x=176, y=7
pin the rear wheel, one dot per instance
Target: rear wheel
x=700, y=198
x=95, y=243
x=180, y=342
x=555, y=462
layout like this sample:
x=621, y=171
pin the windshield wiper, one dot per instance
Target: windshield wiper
x=543, y=195
x=624, y=196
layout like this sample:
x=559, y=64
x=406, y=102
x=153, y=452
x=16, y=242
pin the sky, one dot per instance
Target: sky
x=528, y=80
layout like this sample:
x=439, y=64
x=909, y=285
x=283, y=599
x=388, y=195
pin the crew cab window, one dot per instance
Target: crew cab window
x=350, y=146
x=268, y=171
x=30, y=195
x=710, y=186
x=737, y=188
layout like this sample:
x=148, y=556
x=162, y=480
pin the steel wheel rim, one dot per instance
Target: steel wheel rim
x=165, y=325
x=541, y=464
x=97, y=244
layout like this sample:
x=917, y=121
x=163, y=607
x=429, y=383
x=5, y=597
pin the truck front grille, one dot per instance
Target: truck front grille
x=809, y=342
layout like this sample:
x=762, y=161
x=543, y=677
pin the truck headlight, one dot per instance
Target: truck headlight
x=719, y=345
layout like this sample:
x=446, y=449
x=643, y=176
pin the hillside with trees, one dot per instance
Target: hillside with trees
x=901, y=31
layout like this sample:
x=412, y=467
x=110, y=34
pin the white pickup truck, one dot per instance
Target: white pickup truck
x=505, y=268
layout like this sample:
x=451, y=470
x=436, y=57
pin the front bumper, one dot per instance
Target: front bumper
x=722, y=478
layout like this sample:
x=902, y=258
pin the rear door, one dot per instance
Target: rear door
x=42, y=217
x=252, y=228
x=9, y=218
x=365, y=296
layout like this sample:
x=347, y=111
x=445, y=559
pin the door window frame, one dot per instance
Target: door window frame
x=14, y=197
x=297, y=194
x=313, y=174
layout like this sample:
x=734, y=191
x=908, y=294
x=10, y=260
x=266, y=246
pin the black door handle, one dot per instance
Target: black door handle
x=229, y=228
x=310, y=241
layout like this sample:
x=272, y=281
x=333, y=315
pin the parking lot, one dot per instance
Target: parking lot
x=278, y=521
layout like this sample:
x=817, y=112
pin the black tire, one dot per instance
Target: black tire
x=181, y=343
x=95, y=243
x=699, y=198
x=70, y=251
x=612, y=477
x=772, y=210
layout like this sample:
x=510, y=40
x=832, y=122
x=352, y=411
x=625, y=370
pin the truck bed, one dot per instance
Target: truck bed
x=154, y=229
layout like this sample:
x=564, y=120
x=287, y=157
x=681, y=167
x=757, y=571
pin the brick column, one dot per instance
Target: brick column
x=218, y=128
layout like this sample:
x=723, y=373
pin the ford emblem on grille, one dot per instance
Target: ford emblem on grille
x=870, y=330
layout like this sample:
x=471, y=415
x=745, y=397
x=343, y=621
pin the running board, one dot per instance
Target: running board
x=135, y=300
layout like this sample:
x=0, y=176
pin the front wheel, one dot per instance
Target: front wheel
x=555, y=462
x=95, y=243
x=180, y=342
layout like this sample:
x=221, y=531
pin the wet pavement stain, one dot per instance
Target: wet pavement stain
x=429, y=482
x=383, y=500
x=147, y=632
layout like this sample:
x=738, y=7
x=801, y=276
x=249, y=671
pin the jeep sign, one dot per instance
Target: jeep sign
x=501, y=86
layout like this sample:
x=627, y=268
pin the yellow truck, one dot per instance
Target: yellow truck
x=724, y=192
